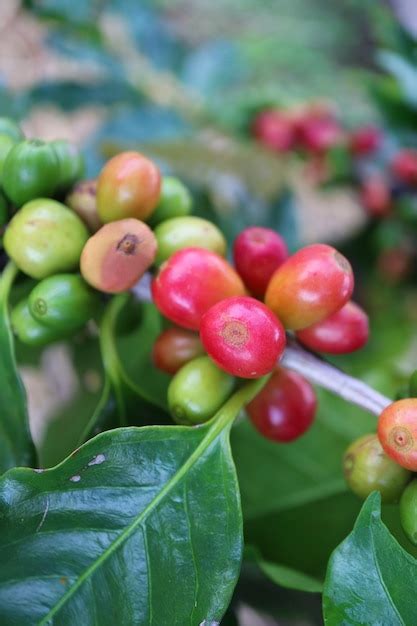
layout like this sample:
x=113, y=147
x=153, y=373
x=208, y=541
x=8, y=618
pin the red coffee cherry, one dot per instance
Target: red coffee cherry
x=404, y=166
x=345, y=331
x=242, y=336
x=190, y=282
x=365, y=140
x=274, y=129
x=375, y=196
x=174, y=348
x=319, y=132
x=312, y=284
x=285, y=407
x=397, y=432
x=257, y=253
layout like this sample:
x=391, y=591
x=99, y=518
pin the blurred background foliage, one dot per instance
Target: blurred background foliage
x=180, y=80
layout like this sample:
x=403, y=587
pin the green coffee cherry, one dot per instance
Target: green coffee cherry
x=175, y=201
x=188, y=232
x=45, y=238
x=6, y=144
x=63, y=302
x=367, y=468
x=11, y=129
x=31, y=170
x=197, y=391
x=71, y=163
x=30, y=331
x=408, y=511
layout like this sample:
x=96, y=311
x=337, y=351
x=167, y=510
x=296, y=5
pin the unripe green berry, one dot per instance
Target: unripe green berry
x=367, y=468
x=408, y=511
x=45, y=238
x=71, y=163
x=187, y=232
x=6, y=144
x=175, y=201
x=197, y=391
x=63, y=301
x=30, y=331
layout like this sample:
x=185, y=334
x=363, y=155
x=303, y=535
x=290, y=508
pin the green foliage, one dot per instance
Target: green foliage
x=370, y=576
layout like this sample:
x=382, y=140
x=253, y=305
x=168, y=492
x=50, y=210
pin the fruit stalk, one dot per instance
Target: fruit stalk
x=313, y=367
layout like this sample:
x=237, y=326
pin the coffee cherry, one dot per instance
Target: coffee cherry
x=30, y=331
x=118, y=255
x=6, y=144
x=285, y=408
x=71, y=163
x=345, y=331
x=197, y=391
x=187, y=232
x=274, y=129
x=175, y=201
x=311, y=285
x=45, y=238
x=375, y=196
x=190, y=282
x=318, y=133
x=63, y=301
x=257, y=253
x=404, y=166
x=31, y=170
x=397, y=432
x=11, y=129
x=128, y=186
x=82, y=200
x=365, y=140
x=367, y=468
x=242, y=336
x=174, y=348
x=408, y=511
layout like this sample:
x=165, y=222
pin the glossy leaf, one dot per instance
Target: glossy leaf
x=16, y=447
x=139, y=526
x=370, y=578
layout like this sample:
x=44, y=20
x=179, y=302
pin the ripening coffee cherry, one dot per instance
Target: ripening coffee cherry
x=188, y=232
x=365, y=140
x=257, y=253
x=31, y=170
x=45, y=238
x=71, y=163
x=375, y=196
x=367, y=468
x=11, y=129
x=175, y=201
x=312, y=284
x=404, y=166
x=274, y=129
x=82, y=200
x=397, y=432
x=285, y=408
x=174, y=348
x=63, y=301
x=190, y=282
x=128, y=186
x=197, y=391
x=117, y=255
x=408, y=511
x=242, y=336
x=30, y=331
x=345, y=331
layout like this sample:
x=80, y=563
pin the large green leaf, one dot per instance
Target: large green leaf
x=370, y=578
x=16, y=446
x=139, y=526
